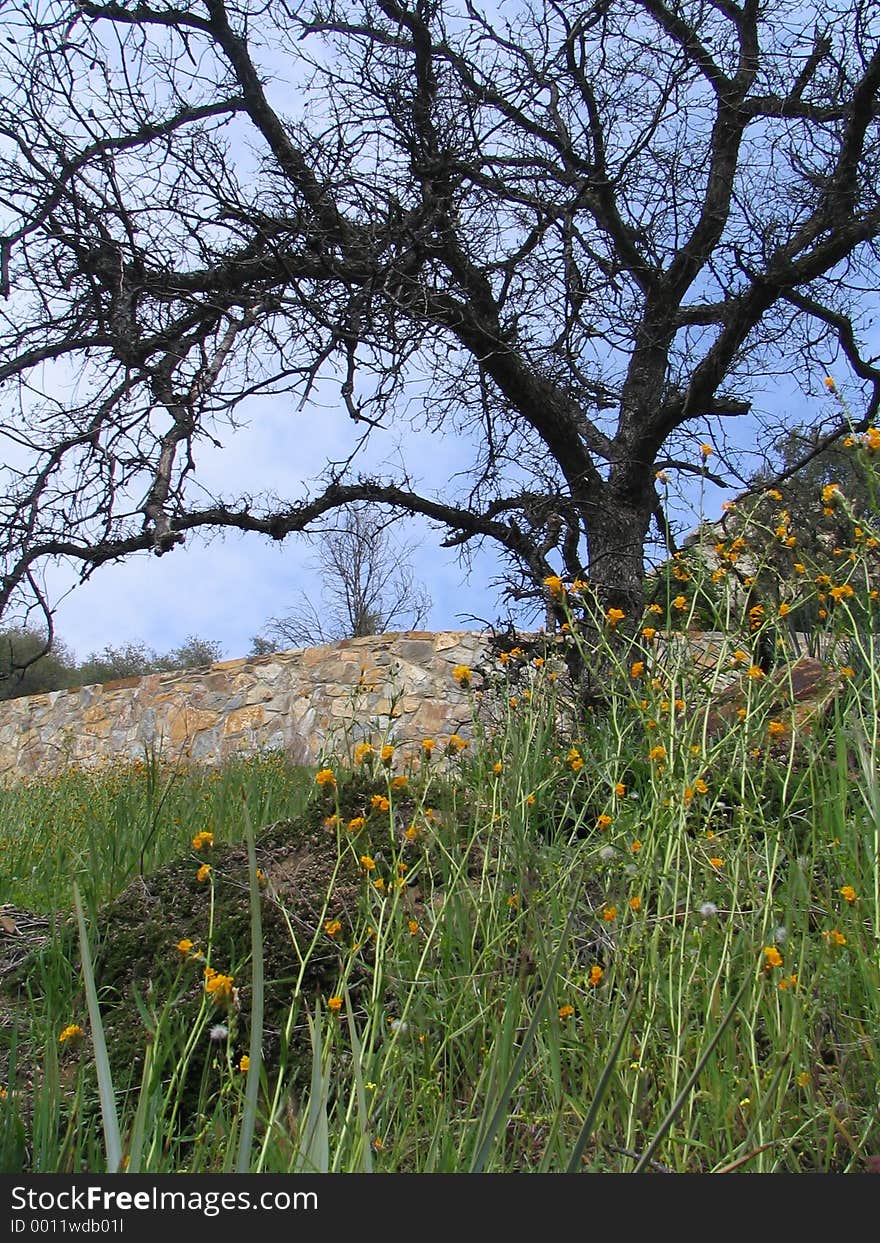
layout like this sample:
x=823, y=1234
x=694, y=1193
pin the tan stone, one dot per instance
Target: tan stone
x=188, y=722
x=243, y=719
x=229, y=666
x=94, y=714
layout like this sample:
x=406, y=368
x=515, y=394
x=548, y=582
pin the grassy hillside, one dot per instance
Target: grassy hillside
x=637, y=936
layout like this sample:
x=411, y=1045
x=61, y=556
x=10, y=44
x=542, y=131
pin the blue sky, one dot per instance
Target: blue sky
x=227, y=588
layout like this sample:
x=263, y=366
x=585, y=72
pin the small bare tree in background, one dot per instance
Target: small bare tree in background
x=367, y=587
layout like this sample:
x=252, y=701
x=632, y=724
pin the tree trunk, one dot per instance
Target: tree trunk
x=617, y=534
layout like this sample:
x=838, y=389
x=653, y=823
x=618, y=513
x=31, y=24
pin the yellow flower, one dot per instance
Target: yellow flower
x=830, y=492
x=775, y=728
x=774, y=494
x=565, y=1012
x=334, y=1004
x=834, y=937
x=379, y=884
x=379, y=802
x=332, y=927
x=739, y=656
x=413, y=926
x=185, y=945
x=244, y=1064
x=803, y=1079
x=680, y=603
x=457, y=743
x=218, y=987
x=595, y=977
x=71, y=1034
x=603, y=822
x=387, y=754
x=829, y=383
x=555, y=586
x=772, y=957
x=202, y=840
x=847, y=671
x=362, y=752
x=399, y=783
x=513, y=901
x=203, y=873
x=637, y=668
x=368, y=863
x=619, y=789
x=575, y=760
x=656, y=609
x=356, y=824
x=844, y=592
x=497, y=768
x=609, y=914
x=462, y=675
x=648, y=633
x=613, y=616
x=700, y=786
x=636, y=846
x=325, y=778
x=658, y=753
x=635, y=903
x=428, y=746
x=784, y=609
x=412, y=832
x=716, y=862
x=848, y=893
x=706, y=451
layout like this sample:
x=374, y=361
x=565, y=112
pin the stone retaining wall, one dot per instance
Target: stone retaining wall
x=299, y=701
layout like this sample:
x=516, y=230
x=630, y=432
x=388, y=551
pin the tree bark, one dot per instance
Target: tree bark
x=617, y=532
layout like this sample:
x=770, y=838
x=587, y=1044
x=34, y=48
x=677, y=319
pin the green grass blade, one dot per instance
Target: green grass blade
x=498, y=1114
x=365, y=1156
x=109, y=1118
x=314, y=1151
x=249, y=1116
x=692, y=1079
x=144, y=1107
x=602, y=1086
